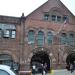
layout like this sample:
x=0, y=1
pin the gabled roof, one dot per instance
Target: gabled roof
x=45, y=3
x=36, y=9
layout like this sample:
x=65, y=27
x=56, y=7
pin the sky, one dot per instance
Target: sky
x=17, y=7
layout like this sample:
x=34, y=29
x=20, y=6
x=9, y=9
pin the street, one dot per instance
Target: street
x=59, y=72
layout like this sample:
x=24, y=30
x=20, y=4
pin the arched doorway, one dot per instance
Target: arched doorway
x=40, y=58
x=70, y=58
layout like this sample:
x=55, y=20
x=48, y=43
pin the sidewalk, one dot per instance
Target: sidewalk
x=59, y=72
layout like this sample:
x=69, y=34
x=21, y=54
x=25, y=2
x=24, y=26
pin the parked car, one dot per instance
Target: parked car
x=6, y=70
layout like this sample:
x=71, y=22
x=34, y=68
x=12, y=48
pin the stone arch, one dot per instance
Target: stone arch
x=50, y=30
x=40, y=56
x=71, y=32
x=35, y=50
x=31, y=28
x=6, y=58
x=57, y=10
x=27, y=31
x=14, y=57
x=70, y=57
x=40, y=29
x=63, y=31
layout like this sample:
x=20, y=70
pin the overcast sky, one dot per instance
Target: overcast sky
x=17, y=7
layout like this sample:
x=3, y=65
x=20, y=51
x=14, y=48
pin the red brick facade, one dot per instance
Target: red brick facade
x=22, y=51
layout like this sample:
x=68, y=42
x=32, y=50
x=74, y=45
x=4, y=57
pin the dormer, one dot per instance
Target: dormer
x=55, y=14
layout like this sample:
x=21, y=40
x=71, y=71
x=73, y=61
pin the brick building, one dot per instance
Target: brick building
x=47, y=35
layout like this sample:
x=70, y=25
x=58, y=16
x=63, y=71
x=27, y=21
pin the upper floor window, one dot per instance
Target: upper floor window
x=7, y=30
x=31, y=37
x=65, y=18
x=49, y=38
x=56, y=18
x=40, y=38
x=46, y=16
x=63, y=38
x=6, y=33
x=53, y=17
x=71, y=39
x=59, y=18
x=0, y=33
x=13, y=33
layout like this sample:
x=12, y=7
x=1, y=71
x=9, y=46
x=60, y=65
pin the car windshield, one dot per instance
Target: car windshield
x=2, y=72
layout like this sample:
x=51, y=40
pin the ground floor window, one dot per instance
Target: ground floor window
x=6, y=59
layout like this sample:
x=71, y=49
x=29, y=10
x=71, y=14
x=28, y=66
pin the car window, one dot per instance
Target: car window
x=2, y=72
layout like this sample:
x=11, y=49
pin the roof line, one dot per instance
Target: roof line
x=66, y=7
x=45, y=3
x=36, y=9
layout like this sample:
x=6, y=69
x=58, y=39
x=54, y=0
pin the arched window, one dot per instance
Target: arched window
x=63, y=38
x=6, y=59
x=31, y=37
x=40, y=38
x=71, y=39
x=49, y=38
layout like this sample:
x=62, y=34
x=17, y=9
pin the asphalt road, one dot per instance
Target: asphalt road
x=59, y=72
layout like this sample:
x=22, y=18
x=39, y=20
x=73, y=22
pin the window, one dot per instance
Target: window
x=7, y=30
x=40, y=38
x=5, y=59
x=31, y=37
x=53, y=17
x=63, y=38
x=59, y=18
x=49, y=38
x=71, y=39
x=6, y=34
x=13, y=33
x=0, y=33
x=65, y=18
x=56, y=18
x=46, y=16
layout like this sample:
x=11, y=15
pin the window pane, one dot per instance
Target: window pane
x=5, y=59
x=53, y=17
x=0, y=33
x=63, y=38
x=46, y=16
x=7, y=26
x=71, y=39
x=40, y=38
x=58, y=18
x=31, y=37
x=6, y=33
x=65, y=18
x=13, y=34
x=49, y=38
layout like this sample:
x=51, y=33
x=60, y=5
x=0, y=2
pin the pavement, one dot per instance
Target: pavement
x=59, y=72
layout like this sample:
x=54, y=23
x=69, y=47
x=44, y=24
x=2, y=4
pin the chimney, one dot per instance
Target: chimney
x=23, y=17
